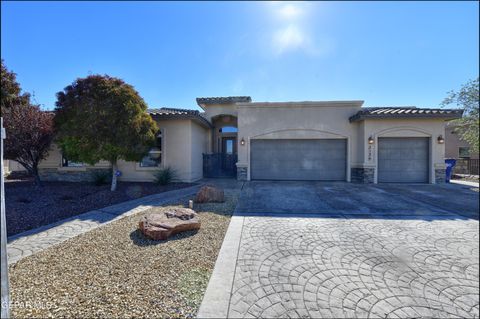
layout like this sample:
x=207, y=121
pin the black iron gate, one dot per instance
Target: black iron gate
x=219, y=165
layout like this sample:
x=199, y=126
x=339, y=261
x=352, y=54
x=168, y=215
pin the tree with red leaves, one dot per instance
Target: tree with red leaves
x=29, y=135
x=29, y=129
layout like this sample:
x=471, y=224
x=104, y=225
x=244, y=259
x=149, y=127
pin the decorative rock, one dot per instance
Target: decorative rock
x=159, y=226
x=210, y=194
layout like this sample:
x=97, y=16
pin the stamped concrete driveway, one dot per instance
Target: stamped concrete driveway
x=333, y=250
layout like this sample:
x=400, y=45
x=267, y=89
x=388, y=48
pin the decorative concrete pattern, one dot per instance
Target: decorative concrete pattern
x=362, y=175
x=351, y=267
x=33, y=241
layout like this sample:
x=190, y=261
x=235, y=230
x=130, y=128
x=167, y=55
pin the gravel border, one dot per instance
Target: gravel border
x=29, y=207
x=114, y=271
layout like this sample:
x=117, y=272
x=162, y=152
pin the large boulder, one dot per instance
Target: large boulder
x=210, y=194
x=160, y=225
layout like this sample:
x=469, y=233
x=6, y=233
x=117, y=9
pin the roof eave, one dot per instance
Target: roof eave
x=197, y=118
x=361, y=117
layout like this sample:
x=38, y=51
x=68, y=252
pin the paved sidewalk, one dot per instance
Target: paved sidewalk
x=466, y=183
x=35, y=240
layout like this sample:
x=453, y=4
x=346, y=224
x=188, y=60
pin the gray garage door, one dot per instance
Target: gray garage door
x=280, y=159
x=403, y=160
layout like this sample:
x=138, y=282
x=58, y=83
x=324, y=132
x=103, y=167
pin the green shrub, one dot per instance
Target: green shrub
x=165, y=176
x=101, y=177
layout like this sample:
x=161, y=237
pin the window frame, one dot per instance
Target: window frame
x=139, y=166
x=64, y=160
x=467, y=148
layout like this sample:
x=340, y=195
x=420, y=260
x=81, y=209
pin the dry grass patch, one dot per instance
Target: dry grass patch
x=114, y=271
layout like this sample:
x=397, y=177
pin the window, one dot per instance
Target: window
x=228, y=129
x=229, y=146
x=67, y=163
x=154, y=156
x=464, y=152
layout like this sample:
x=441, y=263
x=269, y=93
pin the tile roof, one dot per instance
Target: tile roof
x=171, y=111
x=223, y=99
x=174, y=113
x=405, y=112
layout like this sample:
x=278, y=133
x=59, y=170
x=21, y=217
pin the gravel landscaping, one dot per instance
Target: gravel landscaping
x=29, y=207
x=114, y=271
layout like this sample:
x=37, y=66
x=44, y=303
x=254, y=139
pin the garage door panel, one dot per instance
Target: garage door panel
x=403, y=160
x=298, y=159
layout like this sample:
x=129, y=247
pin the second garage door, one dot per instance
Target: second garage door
x=287, y=159
x=403, y=160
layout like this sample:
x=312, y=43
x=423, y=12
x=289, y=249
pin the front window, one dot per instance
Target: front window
x=464, y=152
x=68, y=163
x=154, y=156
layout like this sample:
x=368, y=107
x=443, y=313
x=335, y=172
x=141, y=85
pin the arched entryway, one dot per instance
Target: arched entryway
x=222, y=161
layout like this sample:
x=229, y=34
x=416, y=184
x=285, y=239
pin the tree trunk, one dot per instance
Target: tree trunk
x=36, y=177
x=37, y=180
x=114, y=176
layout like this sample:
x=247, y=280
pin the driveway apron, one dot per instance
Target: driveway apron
x=330, y=250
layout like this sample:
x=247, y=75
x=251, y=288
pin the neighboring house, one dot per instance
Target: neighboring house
x=321, y=140
x=12, y=166
x=456, y=148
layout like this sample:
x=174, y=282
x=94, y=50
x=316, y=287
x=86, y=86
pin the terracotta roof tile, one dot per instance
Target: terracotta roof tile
x=223, y=100
x=174, y=113
x=405, y=112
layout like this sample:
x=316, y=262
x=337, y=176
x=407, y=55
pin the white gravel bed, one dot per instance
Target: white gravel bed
x=114, y=271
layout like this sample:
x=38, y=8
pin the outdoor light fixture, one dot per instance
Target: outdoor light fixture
x=242, y=141
x=371, y=140
x=440, y=139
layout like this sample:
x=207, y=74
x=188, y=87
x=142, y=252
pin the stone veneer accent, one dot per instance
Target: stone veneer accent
x=440, y=175
x=362, y=175
x=241, y=173
x=56, y=175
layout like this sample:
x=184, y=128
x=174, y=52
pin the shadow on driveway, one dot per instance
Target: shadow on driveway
x=348, y=200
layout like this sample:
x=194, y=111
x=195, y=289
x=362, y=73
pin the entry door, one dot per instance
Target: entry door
x=299, y=159
x=229, y=154
x=229, y=145
x=403, y=159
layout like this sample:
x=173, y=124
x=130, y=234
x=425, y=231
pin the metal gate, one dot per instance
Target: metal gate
x=219, y=165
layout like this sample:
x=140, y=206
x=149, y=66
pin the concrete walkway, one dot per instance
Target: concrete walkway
x=35, y=240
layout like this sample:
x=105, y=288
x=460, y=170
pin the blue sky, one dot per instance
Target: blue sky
x=386, y=53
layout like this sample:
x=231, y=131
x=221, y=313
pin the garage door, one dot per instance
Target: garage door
x=284, y=159
x=403, y=160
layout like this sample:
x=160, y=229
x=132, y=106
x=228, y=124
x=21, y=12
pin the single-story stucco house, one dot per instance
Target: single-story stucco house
x=317, y=140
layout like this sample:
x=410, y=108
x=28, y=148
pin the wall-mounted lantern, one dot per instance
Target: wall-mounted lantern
x=440, y=139
x=371, y=140
x=242, y=141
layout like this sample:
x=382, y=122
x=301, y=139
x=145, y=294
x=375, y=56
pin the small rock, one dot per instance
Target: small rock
x=159, y=226
x=210, y=194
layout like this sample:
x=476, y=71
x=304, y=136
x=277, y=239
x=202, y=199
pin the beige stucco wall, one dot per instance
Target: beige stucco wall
x=213, y=110
x=404, y=128
x=54, y=160
x=317, y=121
x=303, y=120
x=184, y=141
x=200, y=139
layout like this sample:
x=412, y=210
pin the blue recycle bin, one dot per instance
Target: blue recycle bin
x=450, y=163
